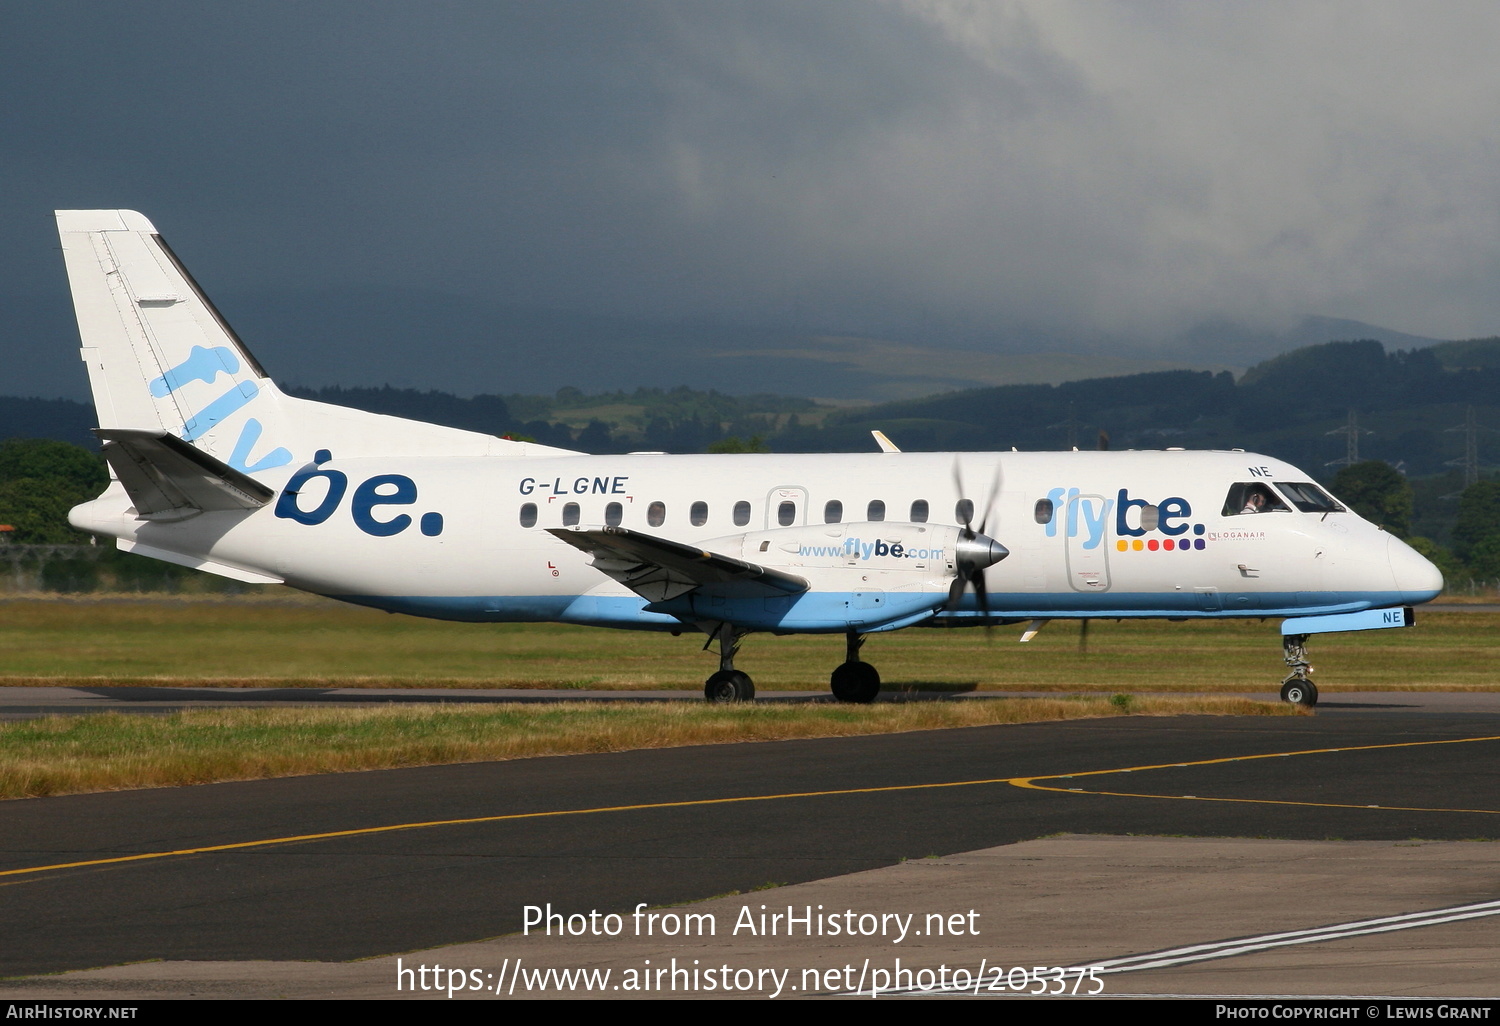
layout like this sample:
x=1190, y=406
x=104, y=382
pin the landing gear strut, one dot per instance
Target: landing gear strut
x=854, y=681
x=1296, y=688
x=729, y=684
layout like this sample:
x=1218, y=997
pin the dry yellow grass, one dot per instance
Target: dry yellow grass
x=71, y=754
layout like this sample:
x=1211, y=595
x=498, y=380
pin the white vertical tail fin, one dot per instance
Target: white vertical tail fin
x=159, y=356
x=162, y=359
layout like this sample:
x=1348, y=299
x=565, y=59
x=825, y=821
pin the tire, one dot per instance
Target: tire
x=855, y=682
x=1300, y=692
x=729, y=686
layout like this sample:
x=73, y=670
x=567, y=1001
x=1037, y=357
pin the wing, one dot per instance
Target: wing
x=659, y=570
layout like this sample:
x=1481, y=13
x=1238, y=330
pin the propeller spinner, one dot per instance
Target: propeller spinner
x=976, y=550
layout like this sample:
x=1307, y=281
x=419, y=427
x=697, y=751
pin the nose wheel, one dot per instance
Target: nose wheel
x=853, y=680
x=1300, y=692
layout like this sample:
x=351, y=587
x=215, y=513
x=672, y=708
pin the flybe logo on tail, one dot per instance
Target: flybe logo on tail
x=382, y=490
x=205, y=365
x=1091, y=517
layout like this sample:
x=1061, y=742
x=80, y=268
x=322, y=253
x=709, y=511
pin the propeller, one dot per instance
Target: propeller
x=976, y=550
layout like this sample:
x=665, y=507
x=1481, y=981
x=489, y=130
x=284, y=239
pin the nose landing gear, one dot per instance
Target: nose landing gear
x=1296, y=688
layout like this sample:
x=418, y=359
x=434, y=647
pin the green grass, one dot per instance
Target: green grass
x=316, y=643
x=107, y=751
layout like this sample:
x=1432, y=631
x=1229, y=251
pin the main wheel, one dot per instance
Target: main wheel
x=855, y=682
x=729, y=686
x=1300, y=692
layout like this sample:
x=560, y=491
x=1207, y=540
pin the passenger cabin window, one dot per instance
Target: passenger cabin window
x=741, y=513
x=876, y=510
x=833, y=511
x=919, y=511
x=698, y=514
x=528, y=514
x=656, y=514
x=786, y=514
x=1042, y=513
x=964, y=511
x=613, y=514
x=1252, y=497
x=570, y=514
x=1309, y=498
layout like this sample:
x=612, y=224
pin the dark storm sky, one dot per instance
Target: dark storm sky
x=1004, y=172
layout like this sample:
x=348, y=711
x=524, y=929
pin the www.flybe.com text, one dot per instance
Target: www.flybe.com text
x=854, y=548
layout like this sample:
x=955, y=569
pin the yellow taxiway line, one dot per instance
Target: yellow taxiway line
x=1023, y=782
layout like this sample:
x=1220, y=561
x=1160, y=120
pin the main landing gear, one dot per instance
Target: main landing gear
x=1296, y=688
x=854, y=681
x=729, y=684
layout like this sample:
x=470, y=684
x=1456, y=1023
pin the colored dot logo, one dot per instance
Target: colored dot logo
x=1160, y=545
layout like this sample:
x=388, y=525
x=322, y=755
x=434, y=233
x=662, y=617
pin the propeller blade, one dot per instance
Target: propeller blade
x=965, y=508
x=956, y=592
x=972, y=574
x=989, y=503
x=982, y=593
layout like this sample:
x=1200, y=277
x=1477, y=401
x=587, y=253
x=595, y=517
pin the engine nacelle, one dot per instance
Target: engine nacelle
x=922, y=550
x=862, y=577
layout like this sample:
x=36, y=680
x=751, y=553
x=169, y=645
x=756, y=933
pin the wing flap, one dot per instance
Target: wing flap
x=659, y=570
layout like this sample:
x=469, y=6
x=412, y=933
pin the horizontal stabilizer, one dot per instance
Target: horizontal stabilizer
x=162, y=474
x=211, y=566
x=659, y=570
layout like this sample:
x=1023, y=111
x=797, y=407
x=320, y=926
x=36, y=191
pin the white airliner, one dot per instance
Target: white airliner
x=214, y=467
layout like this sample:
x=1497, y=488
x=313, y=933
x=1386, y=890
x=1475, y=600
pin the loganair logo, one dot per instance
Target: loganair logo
x=1090, y=517
x=205, y=365
x=376, y=492
x=854, y=548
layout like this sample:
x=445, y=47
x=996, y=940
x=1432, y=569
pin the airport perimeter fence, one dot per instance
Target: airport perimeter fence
x=91, y=569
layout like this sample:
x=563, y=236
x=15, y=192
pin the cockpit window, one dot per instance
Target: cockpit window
x=1252, y=497
x=1308, y=497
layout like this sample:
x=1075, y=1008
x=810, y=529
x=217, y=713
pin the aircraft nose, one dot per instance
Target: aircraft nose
x=1416, y=578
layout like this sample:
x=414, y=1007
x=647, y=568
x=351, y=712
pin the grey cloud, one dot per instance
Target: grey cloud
x=999, y=175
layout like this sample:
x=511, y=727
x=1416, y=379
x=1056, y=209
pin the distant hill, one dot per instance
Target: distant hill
x=62, y=419
x=1473, y=354
x=1291, y=406
x=366, y=337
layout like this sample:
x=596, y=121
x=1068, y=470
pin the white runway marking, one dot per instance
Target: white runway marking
x=1245, y=945
x=1230, y=948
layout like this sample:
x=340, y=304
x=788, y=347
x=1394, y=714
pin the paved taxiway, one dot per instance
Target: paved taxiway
x=18, y=703
x=674, y=826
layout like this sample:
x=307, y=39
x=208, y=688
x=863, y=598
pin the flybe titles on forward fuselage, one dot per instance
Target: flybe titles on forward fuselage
x=1088, y=517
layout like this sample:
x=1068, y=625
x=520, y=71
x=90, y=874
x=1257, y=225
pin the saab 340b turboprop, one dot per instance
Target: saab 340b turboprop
x=213, y=467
